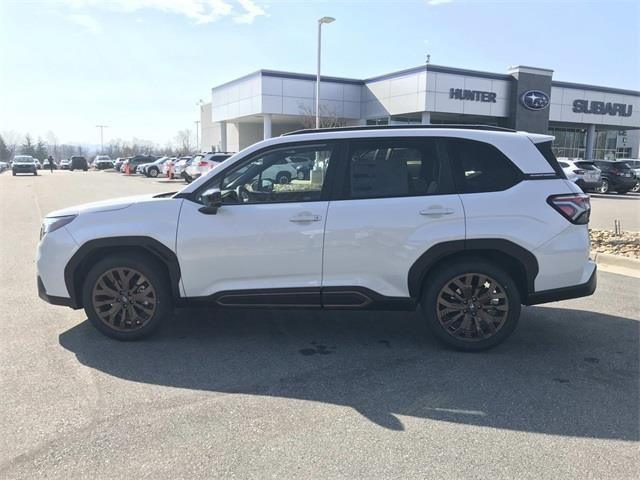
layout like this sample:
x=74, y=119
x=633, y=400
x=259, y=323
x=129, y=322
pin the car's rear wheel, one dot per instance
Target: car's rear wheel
x=127, y=297
x=471, y=305
x=604, y=186
x=301, y=175
x=636, y=187
x=283, y=178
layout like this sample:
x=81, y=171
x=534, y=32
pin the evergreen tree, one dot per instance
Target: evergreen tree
x=5, y=151
x=41, y=150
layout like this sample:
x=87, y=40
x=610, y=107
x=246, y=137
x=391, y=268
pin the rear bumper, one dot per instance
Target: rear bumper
x=564, y=293
x=624, y=183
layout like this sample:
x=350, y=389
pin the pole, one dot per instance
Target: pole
x=318, y=77
x=102, y=127
x=197, y=122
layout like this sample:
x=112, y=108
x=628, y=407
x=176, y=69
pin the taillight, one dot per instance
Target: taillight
x=203, y=164
x=575, y=207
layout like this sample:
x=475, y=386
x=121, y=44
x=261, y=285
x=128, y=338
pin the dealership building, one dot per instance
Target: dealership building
x=588, y=121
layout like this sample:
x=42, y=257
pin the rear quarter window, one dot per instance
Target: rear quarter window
x=481, y=167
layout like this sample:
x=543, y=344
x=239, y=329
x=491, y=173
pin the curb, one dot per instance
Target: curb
x=618, y=264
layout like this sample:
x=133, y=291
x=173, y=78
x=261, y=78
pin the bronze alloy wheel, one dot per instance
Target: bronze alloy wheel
x=472, y=307
x=124, y=299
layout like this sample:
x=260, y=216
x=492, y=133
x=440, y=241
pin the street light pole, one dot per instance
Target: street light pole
x=320, y=22
x=102, y=127
x=197, y=122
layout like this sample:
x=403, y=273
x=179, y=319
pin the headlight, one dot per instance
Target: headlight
x=51, y=224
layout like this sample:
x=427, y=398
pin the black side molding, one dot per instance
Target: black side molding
x=421, y=267
x=565, y=293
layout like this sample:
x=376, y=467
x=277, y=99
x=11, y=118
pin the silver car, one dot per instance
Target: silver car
x=583, y=173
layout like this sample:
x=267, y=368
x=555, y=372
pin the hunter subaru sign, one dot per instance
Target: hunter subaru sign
x=534, y=100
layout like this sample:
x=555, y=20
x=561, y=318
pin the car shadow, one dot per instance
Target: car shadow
x=564, y=372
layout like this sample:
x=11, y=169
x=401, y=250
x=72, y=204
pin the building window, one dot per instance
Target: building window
x=569, y=142
x=378, y=121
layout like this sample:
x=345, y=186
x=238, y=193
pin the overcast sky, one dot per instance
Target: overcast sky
x=140, y=66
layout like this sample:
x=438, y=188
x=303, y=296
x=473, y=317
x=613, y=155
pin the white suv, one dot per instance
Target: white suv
x=468, y=222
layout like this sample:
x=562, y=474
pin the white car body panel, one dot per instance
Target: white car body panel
x=364, y=248
x=250, y=247
x=133, y=216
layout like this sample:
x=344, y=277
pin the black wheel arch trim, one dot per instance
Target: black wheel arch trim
x=422, y=266
x=157, y=249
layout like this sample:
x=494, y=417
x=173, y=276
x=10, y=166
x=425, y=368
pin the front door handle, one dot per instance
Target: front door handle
x=436, y=211
x=305, y=218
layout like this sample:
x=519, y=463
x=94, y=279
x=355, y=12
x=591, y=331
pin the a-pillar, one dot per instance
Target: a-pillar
x=266, y=122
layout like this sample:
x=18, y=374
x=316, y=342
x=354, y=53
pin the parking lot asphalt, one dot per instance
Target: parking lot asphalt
x=281, y=394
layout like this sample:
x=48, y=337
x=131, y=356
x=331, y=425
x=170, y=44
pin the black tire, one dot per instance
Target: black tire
x=604, y=186
x=157, y=278
x=35, y=173
x=436, y=283
x=283, y=178
x=13, y=173
x=152, y=172
x=636, y=188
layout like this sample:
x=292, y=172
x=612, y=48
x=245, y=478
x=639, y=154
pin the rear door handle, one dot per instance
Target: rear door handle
x=437, y=211
x=305, y=218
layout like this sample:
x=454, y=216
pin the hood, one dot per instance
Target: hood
x=103, y=206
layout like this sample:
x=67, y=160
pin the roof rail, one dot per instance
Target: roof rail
x=399, y=127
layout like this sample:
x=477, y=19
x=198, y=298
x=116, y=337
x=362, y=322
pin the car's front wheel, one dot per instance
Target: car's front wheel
x=471, y=305
x=153, y=172
x=127, y=296
x=636, y=187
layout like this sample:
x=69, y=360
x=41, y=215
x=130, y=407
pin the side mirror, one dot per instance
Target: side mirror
x=212, y=200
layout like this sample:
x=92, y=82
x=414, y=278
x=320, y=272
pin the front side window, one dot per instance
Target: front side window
x=275, y=176
x=396, y=168
x=480, y=167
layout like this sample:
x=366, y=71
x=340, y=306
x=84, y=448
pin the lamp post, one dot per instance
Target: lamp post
x=197, y=122
x=102, y=127
x=320, y=22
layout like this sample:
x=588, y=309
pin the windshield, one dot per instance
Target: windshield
x=23, y=159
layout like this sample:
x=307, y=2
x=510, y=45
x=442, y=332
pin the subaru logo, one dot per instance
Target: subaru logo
x=535, y=100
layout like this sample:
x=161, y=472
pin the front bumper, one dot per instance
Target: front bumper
x=62, y=301
x=565, y=293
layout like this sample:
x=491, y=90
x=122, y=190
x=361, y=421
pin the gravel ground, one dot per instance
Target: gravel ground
x=256, y=394
x=626, y=244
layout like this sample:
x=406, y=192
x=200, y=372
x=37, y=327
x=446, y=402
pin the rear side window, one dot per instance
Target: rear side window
x=397, y=168
x=480, y=167
x=545, y=149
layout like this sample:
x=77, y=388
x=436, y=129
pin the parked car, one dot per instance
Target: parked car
x=583, y=173
x=155, y=168
x=282, y=171
x=179, y=166
x=167, y=168
x=24, y=164
x=204, y=162
x=45, y=164
x=102, y=162
x=616, y=176
x=78, y=163
x=118, y=163
x=4, y=166
x=133, y=162
x=635, y=168
x=434, y=216
x=64, y=164
x=38, y=164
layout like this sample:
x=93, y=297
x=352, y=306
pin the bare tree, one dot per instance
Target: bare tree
x=11, y=140
x=183, y=141
x=329, y=117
